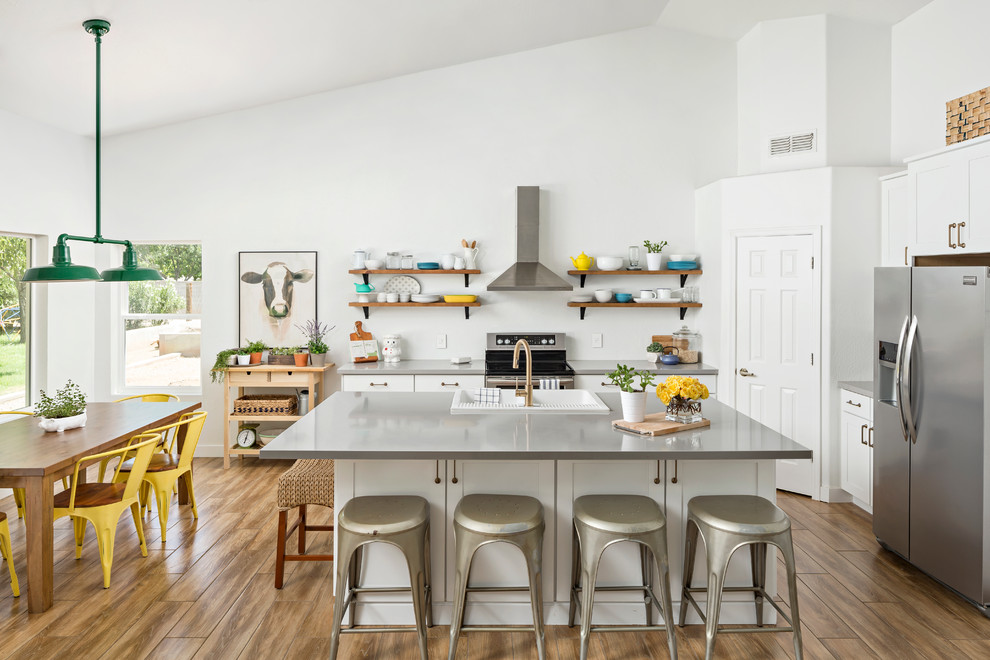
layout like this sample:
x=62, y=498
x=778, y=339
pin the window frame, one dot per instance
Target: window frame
x=29, y=348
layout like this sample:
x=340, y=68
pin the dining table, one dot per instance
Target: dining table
x=33, y=459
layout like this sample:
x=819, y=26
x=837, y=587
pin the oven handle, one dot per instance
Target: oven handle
x=566, y=382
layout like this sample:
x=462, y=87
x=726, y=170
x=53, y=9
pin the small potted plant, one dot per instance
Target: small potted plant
x=315, y=332
x=255, y=349
x=653, y=250
x=65, y=410
x=653, y=351
x=281, y=355
x=300, y=356
x=243, y=357
x=633, y=400
x=225, y=358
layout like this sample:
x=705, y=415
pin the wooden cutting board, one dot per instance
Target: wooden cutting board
x=656, y=424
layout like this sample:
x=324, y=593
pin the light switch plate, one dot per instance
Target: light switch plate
x=441, y=340
x=596, y=340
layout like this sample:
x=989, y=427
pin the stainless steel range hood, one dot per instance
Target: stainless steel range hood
x=528, y=274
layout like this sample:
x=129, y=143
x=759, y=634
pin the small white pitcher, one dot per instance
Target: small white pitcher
x=470, y=258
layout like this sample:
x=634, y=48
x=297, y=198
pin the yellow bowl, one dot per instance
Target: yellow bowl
x=460, y=299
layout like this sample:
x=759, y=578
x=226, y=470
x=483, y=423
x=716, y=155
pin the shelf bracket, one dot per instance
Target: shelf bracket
x=583, y=309
x=683, y=282
x=683, y=310
x=467, y=280
x=365, y=276
x=467, y=311
x=582, y=286
x=366, y=312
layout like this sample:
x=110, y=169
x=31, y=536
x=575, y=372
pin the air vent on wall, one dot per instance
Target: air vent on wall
x=792, y=144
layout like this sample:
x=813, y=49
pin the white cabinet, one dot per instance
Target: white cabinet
x=857, y=447
x=377, y=383
x=894, y=191
x=433, y=383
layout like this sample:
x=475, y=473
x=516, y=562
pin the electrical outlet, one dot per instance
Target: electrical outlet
x=596, y=340
x=441, y=340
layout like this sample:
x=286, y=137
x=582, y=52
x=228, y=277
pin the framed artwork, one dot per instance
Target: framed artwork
x=277, y=290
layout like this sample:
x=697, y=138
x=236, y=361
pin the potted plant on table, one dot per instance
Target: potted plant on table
x=633, y=400
x=65, y=410
x=225, y=358
x=653, y=250
x=281, y=355
x=243, y=357
x=255, y=349
x=653, y=351
x=300, y=356
x=315, y=332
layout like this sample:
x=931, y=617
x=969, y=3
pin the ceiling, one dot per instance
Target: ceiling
x=171, y=61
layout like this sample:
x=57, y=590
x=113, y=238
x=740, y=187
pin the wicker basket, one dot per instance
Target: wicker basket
x=266, y=404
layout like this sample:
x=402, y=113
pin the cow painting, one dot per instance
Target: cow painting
x=274, y=297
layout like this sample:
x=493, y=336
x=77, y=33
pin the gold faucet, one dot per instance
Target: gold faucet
x=529, y=368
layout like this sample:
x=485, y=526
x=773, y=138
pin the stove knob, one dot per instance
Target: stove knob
x=545, y=342
x=553, y=341
x=499, y=341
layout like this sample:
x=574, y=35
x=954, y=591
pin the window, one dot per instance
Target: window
x=15, y=316
x=161, y=325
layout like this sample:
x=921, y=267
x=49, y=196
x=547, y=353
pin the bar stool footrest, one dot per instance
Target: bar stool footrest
x=498, y=629
x=766, y=598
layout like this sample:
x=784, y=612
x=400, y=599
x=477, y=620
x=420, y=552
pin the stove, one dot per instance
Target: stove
x=549, y=359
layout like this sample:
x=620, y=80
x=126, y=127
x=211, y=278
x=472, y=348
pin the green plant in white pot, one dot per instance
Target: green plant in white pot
x=653, y=351
x=653, y=257
x=633, y=400
x=65, y=410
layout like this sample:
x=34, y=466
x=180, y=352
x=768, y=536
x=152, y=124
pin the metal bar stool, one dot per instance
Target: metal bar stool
x=402, y=521
x=308, y=481
x=483, y=519
x=600, y=521
x=727, y=523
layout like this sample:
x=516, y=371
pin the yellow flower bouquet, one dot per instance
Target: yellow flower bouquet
x=682, y=395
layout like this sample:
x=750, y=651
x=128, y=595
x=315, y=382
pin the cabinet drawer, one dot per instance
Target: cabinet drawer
x=595, y=383
x=857, y=404
x=247, y=378
x=290, y=378
x=382, y=383
x=435, y=383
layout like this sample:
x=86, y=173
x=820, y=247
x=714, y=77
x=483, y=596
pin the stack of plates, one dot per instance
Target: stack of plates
x=423, y=298
x=582, y=299
x=428, y=265
x=682, y=265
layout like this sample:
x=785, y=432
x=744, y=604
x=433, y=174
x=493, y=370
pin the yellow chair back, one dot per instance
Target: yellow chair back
x=14, y=412
x=193, y=421
x=143, y=445
x=150, y=398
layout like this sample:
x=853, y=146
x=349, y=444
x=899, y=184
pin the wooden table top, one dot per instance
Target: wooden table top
x=26, y=450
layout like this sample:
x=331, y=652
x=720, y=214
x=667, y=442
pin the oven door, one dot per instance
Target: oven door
x=519, y=382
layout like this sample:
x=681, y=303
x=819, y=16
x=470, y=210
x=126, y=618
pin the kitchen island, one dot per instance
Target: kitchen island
x=410, y=443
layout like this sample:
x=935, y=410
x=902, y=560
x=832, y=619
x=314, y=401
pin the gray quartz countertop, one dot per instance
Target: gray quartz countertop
x=603, y=366
x=399, y=425
x=864, y=387
x=425, y=367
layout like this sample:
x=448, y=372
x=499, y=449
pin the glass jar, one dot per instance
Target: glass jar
x=407, y=261
x=688, y=344
x=393, y=261
x=634, y=257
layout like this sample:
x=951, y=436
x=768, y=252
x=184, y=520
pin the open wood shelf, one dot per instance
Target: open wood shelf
x=465, y=305
x=682, y=273
x=675, y=304
x=364, y=272
x=237, y=450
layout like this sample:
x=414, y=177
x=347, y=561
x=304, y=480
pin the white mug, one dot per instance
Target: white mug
x=392, y=297
x=458, y=263
x=382, y=296
x=447, y=261
x=403, y=297
x=663, y=294
x=647, y=294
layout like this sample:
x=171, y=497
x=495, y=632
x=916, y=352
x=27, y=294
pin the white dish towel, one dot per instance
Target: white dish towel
x=549, y=383
x=487, y=395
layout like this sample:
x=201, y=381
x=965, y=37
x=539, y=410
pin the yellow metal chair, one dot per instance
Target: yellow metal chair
x=102, y=504
x=6, y=551
x=147, y=398
x=165, y=470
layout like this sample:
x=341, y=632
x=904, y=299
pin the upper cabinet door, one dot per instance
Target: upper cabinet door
x=975, y=235
x=894, y=220
x=941, y=202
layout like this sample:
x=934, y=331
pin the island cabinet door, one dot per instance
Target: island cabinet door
x=500, y=564
x=384, y=565
x=620, y=564
x=687, y=479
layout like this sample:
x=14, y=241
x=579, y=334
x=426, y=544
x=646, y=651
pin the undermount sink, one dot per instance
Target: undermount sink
x=544, y=402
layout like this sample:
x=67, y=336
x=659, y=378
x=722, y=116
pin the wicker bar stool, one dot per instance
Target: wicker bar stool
x=402, y=521
x=727, y=523
x=483, y=519
x=308, y=481
x=600, y=521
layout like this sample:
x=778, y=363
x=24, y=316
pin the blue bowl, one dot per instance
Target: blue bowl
x=428, y=265
x=623, y=297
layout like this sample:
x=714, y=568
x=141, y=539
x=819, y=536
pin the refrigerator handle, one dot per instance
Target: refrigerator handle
x=898, y=381
x=907, y=406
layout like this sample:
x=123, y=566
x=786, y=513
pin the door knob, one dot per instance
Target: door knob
x=744, y=372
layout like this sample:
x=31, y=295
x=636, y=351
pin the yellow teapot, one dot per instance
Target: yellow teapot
x=582, y=262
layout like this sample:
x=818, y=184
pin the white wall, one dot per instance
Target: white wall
x=937, y=54
x=617, y=130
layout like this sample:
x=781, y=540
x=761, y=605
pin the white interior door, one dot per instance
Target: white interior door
x=777, y=339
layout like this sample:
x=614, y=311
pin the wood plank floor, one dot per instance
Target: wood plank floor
x=208, y=593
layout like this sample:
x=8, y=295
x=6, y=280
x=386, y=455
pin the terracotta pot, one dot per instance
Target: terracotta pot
x=255, y=358
x=301, y=359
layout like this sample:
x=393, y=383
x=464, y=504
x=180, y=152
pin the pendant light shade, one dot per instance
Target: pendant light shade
x=61, y=269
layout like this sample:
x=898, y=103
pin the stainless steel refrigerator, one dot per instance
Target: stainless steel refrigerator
x=931, y=457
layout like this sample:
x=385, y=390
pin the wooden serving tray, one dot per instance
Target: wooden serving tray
x=656, y=424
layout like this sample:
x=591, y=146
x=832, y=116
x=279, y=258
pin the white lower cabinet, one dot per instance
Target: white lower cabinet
x=432, y=383
x=377, y=383
x=857, y=447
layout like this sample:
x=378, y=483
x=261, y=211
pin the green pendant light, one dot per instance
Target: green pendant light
x=61, y=269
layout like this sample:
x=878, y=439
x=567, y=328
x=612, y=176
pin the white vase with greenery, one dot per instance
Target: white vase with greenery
x=66, y=410
x=633, y=400
x=653, y=256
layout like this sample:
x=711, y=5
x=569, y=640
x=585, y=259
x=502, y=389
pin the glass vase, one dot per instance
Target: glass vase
x=685, y=411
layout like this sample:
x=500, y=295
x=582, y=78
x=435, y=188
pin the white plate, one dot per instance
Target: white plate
x=402, y=284
x=582, y=299
x=424, y=298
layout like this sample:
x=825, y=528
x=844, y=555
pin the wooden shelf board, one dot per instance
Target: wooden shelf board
x=411, y=271
x=236, y=450
x=632, y=304
x=264, y=418
x=412, y=304
x=634, y=272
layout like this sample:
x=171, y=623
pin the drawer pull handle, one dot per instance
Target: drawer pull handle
x=870, y=436
x=959, y=234
x=951, y=244
x=862, y=429
x=657, y=480
x=443, y=384
x=437, y=479
x=858, y=405
x=378, y=384
x=673, y=479
x=604, y=384
x=454, y=478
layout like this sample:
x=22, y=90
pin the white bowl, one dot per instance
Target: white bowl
x=373, y=264
x=679, y=257
x=608, y=263
x=603, y=295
